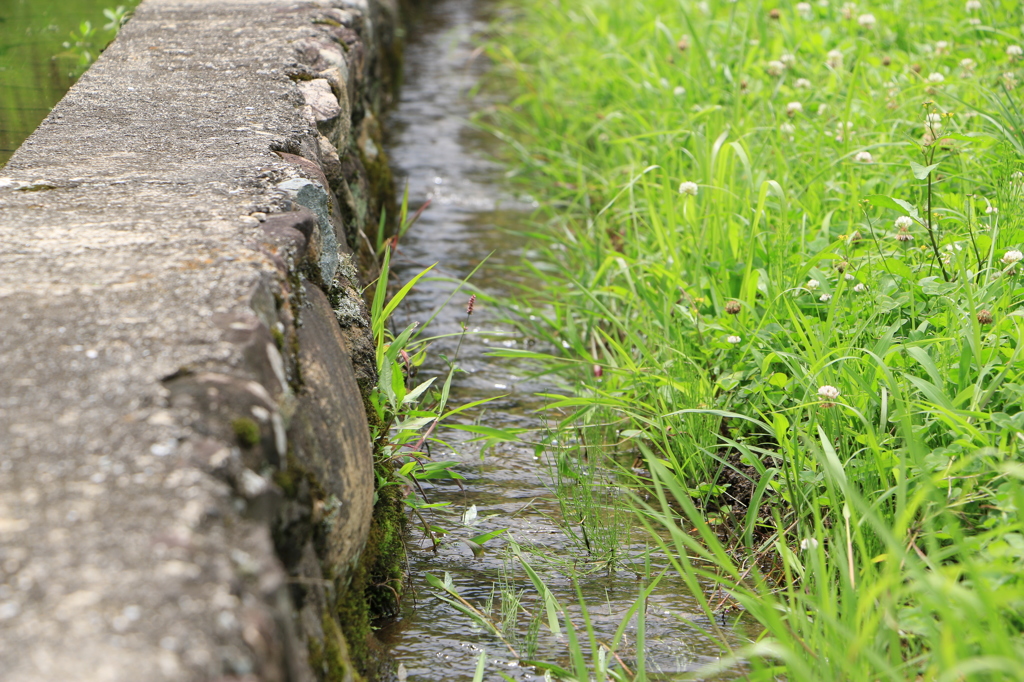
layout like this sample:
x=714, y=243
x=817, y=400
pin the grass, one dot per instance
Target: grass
x=781, y=251
x=587, y=657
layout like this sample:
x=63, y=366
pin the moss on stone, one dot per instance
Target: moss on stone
x=295, y=352
x=378, y=429
x=352, y=610
x=285, y=478
x=278, y=336
x=316, y=656
x=370, y=590
x=380, y=181
x=330, y=658
x=376, y=582
x=246, y=431
x=386, y=567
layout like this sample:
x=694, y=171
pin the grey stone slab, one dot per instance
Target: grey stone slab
x=328, y=421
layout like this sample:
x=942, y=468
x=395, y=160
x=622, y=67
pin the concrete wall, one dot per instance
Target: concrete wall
x=186, y=474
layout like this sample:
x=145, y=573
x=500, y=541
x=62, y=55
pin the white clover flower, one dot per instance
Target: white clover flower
x=860, y=288
x=936, y=77
x=803, y=7
x=801, y=84
x=863, y=157
x=733, y=339
x=825, y=298
x=812, y=284
x=809, y=543
x=991, y=209
x=679, y=91
x=848, y=9
x=1014, y=51
x=1010, y=79
x=788, y=60
x=787, y=129
x=848, y=277
x=974, y=21
x=1017, y=176
x=834, y=59
x=688, y=188
x=941, y=47
x=973, y=5
x=775, y=68
x=822, y=109
x=1012, y=256
x=827, y=392
x=794, y=108
x=968, y=64
x=842, y=129
x=866, y=21
x=904, y=222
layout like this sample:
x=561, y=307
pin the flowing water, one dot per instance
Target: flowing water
x=444, y=159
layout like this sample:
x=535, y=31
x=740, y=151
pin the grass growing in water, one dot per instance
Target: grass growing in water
x=783, y=248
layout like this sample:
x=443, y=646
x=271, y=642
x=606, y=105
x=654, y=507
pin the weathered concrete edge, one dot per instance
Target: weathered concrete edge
x=266, y=427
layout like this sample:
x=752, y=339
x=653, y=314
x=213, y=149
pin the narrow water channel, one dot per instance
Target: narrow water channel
x=444, y=159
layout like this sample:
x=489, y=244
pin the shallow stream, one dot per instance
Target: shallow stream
x=445, y=159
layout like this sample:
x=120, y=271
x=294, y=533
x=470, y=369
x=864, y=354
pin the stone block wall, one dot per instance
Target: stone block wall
x=186, y=470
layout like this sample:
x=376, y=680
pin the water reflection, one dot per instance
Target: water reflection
x=445, y=160
x=32, y=76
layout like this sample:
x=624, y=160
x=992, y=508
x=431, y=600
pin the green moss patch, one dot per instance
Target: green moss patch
x=246, y=431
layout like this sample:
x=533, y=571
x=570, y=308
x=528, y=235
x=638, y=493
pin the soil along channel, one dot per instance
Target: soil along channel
x=444, y=159
x=186, y=475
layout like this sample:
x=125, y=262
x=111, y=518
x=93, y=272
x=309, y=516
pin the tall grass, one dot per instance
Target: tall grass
x=782, y=247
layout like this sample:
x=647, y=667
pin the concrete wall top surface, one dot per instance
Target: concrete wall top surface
x=133, y=252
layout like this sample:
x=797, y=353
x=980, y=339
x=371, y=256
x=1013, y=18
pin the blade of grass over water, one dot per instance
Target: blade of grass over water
x=780, y=261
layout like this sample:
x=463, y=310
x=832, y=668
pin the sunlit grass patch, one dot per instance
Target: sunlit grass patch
x=784, y=245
